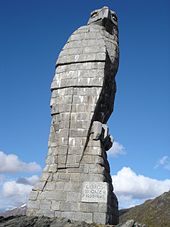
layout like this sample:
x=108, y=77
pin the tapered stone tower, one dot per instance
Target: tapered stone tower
x=76, y=181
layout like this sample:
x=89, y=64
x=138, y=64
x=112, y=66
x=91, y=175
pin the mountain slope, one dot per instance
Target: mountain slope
x=14, y=212
x=153, y=213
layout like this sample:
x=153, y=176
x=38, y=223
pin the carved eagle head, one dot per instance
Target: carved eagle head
x=104, y=17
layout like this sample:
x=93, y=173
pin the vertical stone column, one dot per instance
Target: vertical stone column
x=76, y=181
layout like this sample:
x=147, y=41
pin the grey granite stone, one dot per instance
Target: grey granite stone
x=76, y=181
x=100, y=218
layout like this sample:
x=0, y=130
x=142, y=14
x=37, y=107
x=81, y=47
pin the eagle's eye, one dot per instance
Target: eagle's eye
x=94, y=14
x=114, y=18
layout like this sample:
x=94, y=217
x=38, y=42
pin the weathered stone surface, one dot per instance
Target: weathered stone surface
x=59, y=221
x=76, y=181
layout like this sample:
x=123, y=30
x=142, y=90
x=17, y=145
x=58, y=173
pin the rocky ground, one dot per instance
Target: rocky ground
x=24, y=221
x=154, y=213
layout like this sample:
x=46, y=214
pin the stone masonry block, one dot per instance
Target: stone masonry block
x=99, y=218
x=45, y=177
x=93, y=177
x=76, y=170
x=52, y=195
x=82, y=66
x=94, y=49
x=72, y=186
x=33, y=195
x=39, y=186
x=45, y=212
x=45, y=204
x=64, y=124
x=62, y=177
x=72, y=165
x=69, y=206
x=59, y=185
x=93, y=143
x=83, y=216
x=76, y=124
x=34, y=204
x=55, y=205
x=78, y=132
x=50, y=159
x=73, y=150
x=75, y=177
x=73, y=196
x=53, y=168
x=57, y=214
x=91, y=168
x=92, y=159
x=93, y=151
x=69, y=215
x=89, y=207
x=102, y=207
x=80, y=116
x=84, y=43
x=63, y=150
x=73, y=159
x=61, y=159
x=76, y=142
x=50, y=186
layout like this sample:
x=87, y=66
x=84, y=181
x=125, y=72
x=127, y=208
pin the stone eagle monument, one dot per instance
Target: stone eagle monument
x=76, y=181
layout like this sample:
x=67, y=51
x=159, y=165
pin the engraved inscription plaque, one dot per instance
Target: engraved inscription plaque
x=94, y=192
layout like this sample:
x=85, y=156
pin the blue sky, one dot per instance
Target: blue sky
x=32, y=35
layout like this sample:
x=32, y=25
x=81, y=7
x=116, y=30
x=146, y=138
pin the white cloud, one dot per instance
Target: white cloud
x=28, y=181
x=12, y=189
x=10, y=163
x=133, y=189
x=15, y=193
x=164, y=162
x=116, y=149
x=2, y=178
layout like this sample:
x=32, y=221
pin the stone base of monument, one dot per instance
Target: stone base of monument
x=83, y=194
